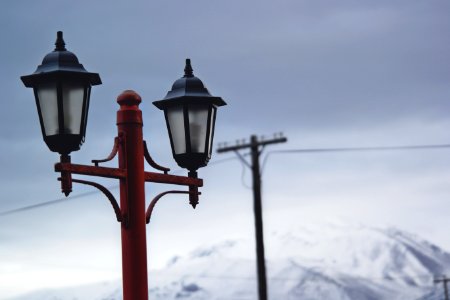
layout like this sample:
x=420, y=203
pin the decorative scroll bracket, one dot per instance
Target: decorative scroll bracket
x=113, y=153
x=66, y=168
x=151, y=162
x=148, y=214
x=107, y=193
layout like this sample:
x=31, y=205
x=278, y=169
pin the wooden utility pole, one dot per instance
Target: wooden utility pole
x=256, y=147
x=444, y=280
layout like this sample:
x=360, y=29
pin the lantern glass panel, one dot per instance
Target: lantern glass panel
x=87, y=99
x=73, y=99
x=175, y=120
x=48, y=105
x=198, y=123
x=211, y=130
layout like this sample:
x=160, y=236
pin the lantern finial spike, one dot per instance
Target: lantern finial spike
x=60, y=44
x=188, y=71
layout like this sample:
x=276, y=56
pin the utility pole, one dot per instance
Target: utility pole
x=444, y=280
x=256, y=147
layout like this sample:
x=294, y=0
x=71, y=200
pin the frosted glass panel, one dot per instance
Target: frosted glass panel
x=176, y=125
x=73, y=106
x=211, y=126
x=49, y=108
x=198, y=121
x=88, y=97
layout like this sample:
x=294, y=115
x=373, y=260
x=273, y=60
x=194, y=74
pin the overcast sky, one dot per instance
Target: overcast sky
x=326, y=73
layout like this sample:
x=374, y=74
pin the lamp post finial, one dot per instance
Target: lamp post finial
x=60, y=44
x=188, y=71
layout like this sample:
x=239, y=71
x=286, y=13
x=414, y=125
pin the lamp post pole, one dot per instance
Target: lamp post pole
x=132, y=197
x=62, y=91
x=132, y=214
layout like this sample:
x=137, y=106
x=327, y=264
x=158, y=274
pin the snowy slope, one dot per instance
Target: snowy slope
x=335, y=261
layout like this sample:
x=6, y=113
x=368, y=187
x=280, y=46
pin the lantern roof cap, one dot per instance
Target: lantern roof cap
x=61, y=62
x=188, y=87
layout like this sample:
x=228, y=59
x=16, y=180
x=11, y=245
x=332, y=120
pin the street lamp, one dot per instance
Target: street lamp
x=62, y=90
x=190, y=113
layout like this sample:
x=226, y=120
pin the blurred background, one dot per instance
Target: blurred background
x=328, y=74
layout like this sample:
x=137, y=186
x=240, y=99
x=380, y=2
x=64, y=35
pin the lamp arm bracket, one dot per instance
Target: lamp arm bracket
x=151, y=162
x=107, y=193
x=113, y=153
x=149, y=211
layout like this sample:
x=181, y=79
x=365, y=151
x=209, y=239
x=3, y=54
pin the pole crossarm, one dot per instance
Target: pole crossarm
x=121, y=174
x=249, y=145
x=91, y=170
x=172, y=179
x=445, y=280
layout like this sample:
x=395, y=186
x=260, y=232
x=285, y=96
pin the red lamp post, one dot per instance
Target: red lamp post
x=62, y=91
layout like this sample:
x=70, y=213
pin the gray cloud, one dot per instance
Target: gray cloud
x=328, y=73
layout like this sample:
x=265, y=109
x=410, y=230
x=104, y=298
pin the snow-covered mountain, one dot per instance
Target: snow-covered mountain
x=335, y=261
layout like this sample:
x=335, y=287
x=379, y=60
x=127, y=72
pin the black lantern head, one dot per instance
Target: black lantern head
x=62, y=88
x=190, y=113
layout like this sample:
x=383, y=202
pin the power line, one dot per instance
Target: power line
x=51, y=202
x=353, y=149
x=287, y=151
x=349, y=149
